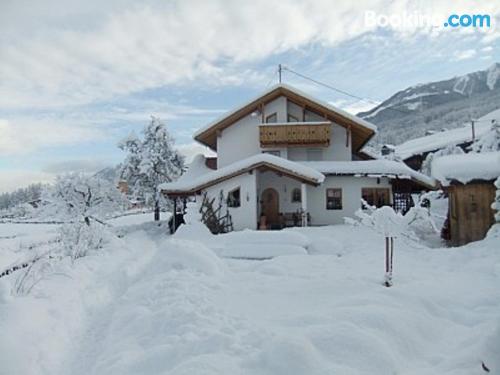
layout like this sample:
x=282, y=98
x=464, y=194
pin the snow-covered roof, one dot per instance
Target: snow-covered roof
x=199, y=176
x=466, y=167
x=202, y=135
x=379, y=168
x=442, y=139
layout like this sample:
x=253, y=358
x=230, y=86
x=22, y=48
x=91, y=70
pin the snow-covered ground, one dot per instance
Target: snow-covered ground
x=149, y=303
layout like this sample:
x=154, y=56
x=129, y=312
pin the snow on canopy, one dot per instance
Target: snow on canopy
x=466, y=167
x=442, y=139
x=201, y=175
x=378, y=168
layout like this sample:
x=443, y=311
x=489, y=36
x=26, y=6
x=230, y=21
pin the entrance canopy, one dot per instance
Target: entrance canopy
x=200, y=177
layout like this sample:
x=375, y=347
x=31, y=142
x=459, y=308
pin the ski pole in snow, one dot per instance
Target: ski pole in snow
x=389, y=252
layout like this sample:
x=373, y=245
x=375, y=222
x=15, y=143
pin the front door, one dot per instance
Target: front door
x=270, y=206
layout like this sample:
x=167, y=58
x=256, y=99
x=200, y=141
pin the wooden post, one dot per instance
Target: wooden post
x=389, y=252
x=303, y=199
x=174, y=214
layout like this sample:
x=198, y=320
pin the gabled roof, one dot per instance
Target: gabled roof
x=467, y=167
x=371, y=168
x=362, y=130
x=200, y=177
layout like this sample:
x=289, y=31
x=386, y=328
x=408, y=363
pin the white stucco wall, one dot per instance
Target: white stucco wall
x=241, y=140
x=244, y=216
x=252, y=186
x=351, y=197
x=283, y=185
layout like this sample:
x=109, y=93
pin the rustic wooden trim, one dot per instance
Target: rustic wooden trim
x=360, y=134
x=293, y=134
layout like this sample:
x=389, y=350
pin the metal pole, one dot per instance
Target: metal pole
x=473, y=131
x=279, y=73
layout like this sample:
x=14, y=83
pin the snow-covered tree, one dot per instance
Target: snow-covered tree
x=129, y=169
x=489, y=141
x=151, y=162
x=83, y=198
x=86, y=201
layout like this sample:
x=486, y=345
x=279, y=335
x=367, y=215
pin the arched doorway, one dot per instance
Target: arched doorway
x=270, y=206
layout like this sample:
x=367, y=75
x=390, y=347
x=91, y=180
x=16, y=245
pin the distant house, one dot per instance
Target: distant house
x=414, y=151
x=285, y=158
x=469, y=180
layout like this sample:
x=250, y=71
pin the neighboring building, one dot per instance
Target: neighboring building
x=285, y=155
x=414, y=151
x=469, y=181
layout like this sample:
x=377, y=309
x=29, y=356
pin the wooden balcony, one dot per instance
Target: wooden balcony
x=297, y=134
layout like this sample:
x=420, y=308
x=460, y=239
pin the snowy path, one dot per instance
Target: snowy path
x=172, y=307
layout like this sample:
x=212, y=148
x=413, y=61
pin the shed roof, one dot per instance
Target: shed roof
x=466, y=167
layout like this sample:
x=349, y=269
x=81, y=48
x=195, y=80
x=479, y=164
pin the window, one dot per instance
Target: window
x=311, y=116
x=272, y=152
x=314, y=154
x=234, y=198
x=292, y=118
x=376, y=197
x=296, y=195
x=333, y=199
x=273, y=118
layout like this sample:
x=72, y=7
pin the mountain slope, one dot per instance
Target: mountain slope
x=444, y=104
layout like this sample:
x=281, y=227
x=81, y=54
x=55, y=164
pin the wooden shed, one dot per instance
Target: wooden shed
x=470, y=215
x=469, y=180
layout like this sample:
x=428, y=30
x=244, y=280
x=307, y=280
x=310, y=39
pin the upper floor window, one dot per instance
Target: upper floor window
x=296, y=195
x=292, y=118
x=234, y=198
x=272, y=118
x=314, y=154
x=377, y=197
x=333, y=199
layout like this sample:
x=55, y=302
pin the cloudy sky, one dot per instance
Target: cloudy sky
x=77, y=76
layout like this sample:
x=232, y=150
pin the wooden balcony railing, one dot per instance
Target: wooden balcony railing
x=295, y=134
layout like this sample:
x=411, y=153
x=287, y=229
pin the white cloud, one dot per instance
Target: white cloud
x=464, y=55
x=28, y=134
x=101, y=50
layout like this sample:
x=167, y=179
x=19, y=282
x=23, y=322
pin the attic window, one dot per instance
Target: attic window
x=273, y=118
x=234, y=198
x=292, y=118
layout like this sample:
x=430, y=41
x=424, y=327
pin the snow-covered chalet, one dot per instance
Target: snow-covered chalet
x=286, y=159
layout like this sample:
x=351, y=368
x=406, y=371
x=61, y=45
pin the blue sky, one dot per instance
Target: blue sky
x=77, y=76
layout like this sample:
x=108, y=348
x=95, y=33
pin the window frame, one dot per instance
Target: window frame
x=234, y=202
x=296, y=119
x=339, y=205
x=275, y=115
x=293, y=197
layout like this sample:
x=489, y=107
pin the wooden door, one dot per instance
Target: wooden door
x=270, y=205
